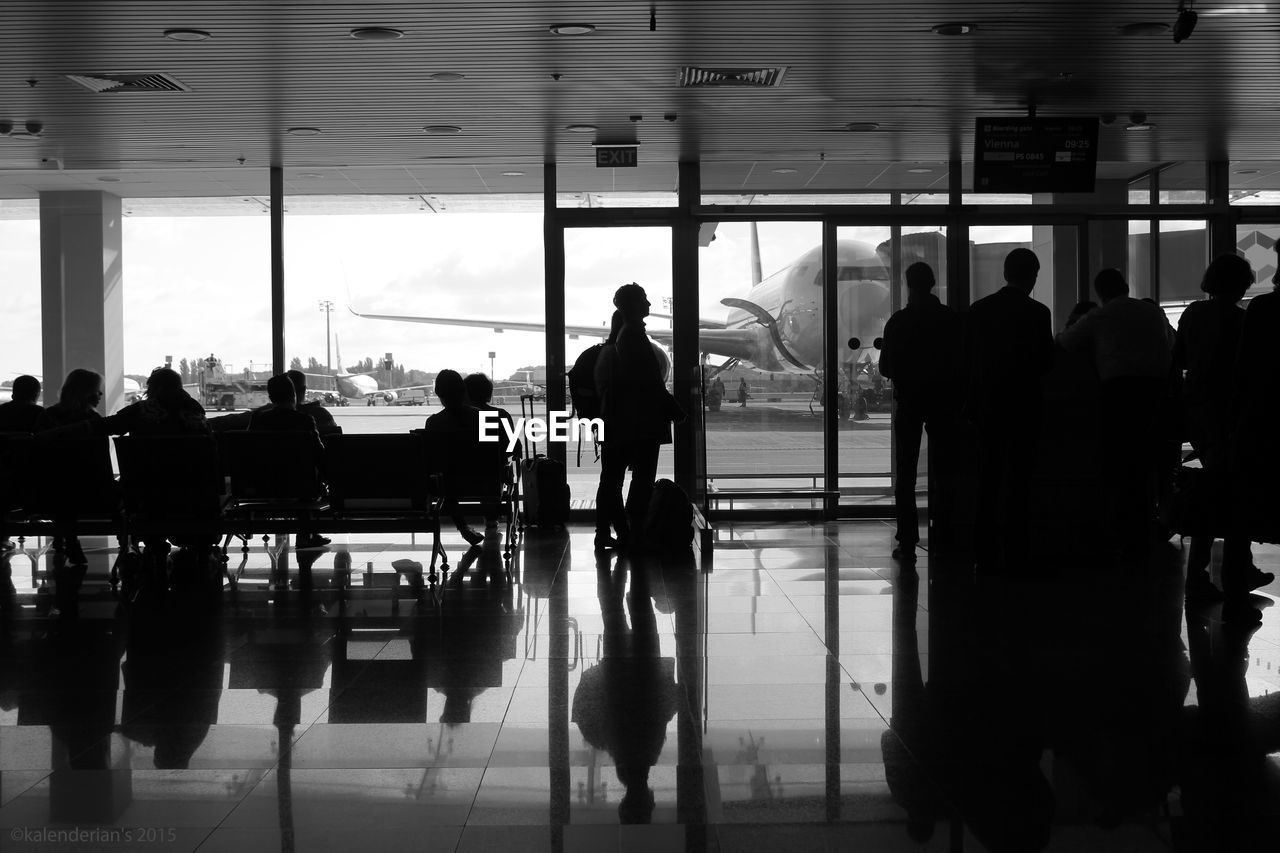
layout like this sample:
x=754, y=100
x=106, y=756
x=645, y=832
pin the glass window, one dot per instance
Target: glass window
x=20, y=301
x=382, y=296
x=197, y=283
x=1184, y=254
x=1056, y=283
x=1138, y=273
x=1258, y=244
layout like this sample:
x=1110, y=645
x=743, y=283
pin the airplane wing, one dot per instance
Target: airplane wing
x=741, y=344
x=495, y=325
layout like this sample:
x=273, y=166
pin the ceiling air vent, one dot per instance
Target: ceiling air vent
x=753, y=78
x=152, y=82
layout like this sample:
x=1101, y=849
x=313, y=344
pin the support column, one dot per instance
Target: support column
x=553, y=272
x=278, y=360
x=82, y=290
x=686, y=364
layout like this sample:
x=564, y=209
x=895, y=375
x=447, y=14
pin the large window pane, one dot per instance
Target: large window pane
x=195, y=286
x=1184, y=252
x=20, y=296
x=761, y=304
x=420, y=272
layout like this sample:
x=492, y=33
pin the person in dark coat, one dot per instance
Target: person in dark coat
x=78, y=401
x=637, y=412
x=1009, y=346
x=1207, y=349
x=458, y=423
x=167, y=410
x=324, y=420
x=919, y=354
x=22, y=411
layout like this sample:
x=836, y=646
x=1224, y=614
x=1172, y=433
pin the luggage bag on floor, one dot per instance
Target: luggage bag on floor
x=544, y=484
x=669, y=524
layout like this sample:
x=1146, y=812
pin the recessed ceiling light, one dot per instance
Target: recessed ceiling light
x=1145, y=28
x=955, y=28
x=920, y=171
x=1140, y=126
x=513, y=174
x=376, y=33
x=581, y=128
x=187, y=35
x=785, y=171
x=1236, y=172
x=448, y=77
x=442, y=129
x=107, y=179
x=310, y=175
x=862, y=126
x=302, y=131
x=572, y=29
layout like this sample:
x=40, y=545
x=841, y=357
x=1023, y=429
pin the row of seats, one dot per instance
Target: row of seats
x=242, y=483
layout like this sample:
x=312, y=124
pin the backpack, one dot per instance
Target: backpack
x=582, y=382
x=668, y=526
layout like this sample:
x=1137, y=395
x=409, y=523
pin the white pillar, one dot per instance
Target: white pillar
x=82, y=290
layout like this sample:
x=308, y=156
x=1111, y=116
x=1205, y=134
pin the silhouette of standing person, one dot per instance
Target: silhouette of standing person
x=743, y=393
x=637, y=412
x=1009, y=346
x=1207, y=348
x=1257, y=404
x=1130, y=343
x=919, y=355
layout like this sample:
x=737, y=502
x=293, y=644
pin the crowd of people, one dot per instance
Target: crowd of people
x=1213, y=382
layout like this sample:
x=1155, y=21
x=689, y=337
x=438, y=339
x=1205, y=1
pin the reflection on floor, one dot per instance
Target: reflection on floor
x=800, y=692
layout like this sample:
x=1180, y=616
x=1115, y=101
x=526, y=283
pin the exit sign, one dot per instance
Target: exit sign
x=617, y=156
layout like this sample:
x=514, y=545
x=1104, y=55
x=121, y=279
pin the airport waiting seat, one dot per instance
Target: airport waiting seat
x=173, y=489
x=383, y=479
x=71, y=481
x=274, y=481
x=14, y=472
x=478, y=477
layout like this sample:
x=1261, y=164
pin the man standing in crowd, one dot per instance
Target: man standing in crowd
x=1131, y=344
x=1009, y=346
x=918, y=354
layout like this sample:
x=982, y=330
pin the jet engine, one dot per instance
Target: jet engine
x=389, y=397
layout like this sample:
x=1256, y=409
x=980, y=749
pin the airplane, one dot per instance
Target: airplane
x=361, y=386
x=776, y=327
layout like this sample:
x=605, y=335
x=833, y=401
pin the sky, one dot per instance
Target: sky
x=200, y=285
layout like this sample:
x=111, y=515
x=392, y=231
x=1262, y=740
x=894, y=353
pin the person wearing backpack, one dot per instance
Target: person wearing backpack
x=637, y=412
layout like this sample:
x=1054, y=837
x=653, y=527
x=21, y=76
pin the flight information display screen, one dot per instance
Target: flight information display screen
x=1035, y=155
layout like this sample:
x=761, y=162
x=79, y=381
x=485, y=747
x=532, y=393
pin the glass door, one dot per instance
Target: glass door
x=597, y=262
x=761, y=345
x=870, y=287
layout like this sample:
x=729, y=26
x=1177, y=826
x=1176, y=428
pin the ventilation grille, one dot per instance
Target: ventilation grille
x=151, y=82
x=754, y=78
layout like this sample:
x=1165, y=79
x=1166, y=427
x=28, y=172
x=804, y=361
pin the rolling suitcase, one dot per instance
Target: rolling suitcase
x=544, y=486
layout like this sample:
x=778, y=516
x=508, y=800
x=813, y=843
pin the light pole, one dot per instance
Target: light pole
x=327, y=307
x=491, y=357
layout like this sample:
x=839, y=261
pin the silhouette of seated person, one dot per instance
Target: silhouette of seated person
x=479, y=394
x=283, y=415
x=624, y=703
x=1130, y=344
x=78, y=401
x=22, y=412
x=325, y=424
x=71, y=417
x=470, y=467
x=1009, y=346
x=167, y=410
x=918, y=354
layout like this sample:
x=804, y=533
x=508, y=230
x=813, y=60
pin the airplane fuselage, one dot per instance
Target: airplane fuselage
x=793, y=298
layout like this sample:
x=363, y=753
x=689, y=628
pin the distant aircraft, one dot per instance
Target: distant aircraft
x=361, y=386
x=776, y=327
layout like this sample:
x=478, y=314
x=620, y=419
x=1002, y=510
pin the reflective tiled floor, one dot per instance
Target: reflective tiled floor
x=799, y=691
